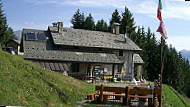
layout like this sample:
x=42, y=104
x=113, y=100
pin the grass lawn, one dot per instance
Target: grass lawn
x=173, y=98
x=22, y=83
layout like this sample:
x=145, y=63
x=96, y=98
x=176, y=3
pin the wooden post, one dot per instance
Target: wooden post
x=154, y=93
x=139, y=72
x=126, y=95
x=162, y=67
x=88, y=70
x=101, y=93
x=103, y=76
x=113, y=71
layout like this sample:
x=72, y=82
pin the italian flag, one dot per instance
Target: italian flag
x=159, y=14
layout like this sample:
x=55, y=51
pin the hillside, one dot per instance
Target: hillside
x=23, y=83
x=174, y=99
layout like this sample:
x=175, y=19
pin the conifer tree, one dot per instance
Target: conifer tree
x=128, y=20
x=101, y=25
x=10, y=35
x=82, y=20
x=78, y=20
x=89, y=23
x=3, y=24
x=116, y=18
x=6, y=33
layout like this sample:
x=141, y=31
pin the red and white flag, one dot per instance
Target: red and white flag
x=159, y=11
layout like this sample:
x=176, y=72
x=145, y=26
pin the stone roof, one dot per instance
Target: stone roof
x=72, y=56
x=46, y=50
x=49, y=49
x=137, y=59
x=18, y=41
x=86, y=38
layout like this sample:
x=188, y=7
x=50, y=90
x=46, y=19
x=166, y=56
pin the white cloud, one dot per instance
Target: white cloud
x=29, y=23
x=172, y=8
x=177, y=0
x=179, y=42
x=83, y=3
x=146, y=7
x=177, y=11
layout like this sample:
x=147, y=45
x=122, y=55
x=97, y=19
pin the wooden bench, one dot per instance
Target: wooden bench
x=115, y=91
x=141, y=93
x=127, y=93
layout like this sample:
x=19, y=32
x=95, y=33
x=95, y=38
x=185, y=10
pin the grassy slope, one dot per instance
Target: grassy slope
x=173, y=98
x=24, y=83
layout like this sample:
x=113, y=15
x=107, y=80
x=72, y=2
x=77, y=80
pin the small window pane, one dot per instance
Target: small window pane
x=41, y=36
x=30, y=36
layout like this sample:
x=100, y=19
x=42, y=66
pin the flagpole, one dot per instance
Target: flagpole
x=163, y=33
x=161, y=76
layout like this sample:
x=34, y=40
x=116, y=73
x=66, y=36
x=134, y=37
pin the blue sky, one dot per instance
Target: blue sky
x=38, y=14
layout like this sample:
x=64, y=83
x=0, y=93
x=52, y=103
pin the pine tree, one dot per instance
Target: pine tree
x=6, y=33
x=82, y=20
x=116, y=18
x=89, y=23
x=10, y=35
x=101, y=25
x=128, y=20
x=78, y=20
x=3, y=24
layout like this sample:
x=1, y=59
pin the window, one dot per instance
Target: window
x=120, y=52
x=35, y=36
x=30, y=36
x=41, y=36
x=75, y=67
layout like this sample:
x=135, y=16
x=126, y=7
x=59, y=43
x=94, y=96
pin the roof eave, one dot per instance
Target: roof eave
x=72, y=61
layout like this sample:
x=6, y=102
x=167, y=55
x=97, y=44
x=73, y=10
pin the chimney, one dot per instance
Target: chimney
x=60, y=27
x=115, y=28
x=126, y=36
x=54, y=24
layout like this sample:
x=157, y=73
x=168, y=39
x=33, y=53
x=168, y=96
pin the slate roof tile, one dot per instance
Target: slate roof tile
x=49, y=49
x=86, y=38
x=137, y=59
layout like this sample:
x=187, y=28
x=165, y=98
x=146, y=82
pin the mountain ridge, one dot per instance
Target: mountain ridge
x=18, y=34
x=185, y=53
